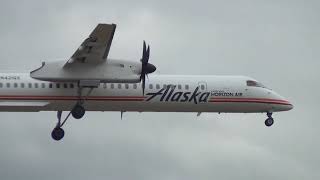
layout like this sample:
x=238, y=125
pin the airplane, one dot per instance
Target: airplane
x=89, y=81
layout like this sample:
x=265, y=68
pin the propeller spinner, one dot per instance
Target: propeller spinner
x=147, y=68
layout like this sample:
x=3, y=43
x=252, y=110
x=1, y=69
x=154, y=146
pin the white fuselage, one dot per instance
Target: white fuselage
x=163, y=93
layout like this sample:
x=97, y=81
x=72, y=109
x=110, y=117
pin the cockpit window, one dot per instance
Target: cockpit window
x=254, y=84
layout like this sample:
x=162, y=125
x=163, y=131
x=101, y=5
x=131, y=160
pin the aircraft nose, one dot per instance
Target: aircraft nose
x=284, y=105
x=288, y=106
x=281, y=103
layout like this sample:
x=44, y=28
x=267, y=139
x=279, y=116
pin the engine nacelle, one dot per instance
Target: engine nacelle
x=111, y=71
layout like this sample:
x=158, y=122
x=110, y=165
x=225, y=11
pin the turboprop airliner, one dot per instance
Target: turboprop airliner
x=89, y=81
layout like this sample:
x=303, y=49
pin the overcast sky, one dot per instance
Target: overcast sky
x=276, y=42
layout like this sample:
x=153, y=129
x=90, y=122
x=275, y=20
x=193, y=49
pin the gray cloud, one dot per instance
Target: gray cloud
x=275, y=42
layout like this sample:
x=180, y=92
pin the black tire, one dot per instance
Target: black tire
x=78, y=112
x=57, y=133
x=269, y=122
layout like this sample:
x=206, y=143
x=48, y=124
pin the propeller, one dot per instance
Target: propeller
x=147, y=68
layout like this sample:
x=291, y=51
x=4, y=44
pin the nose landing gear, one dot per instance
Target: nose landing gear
x=269, y=122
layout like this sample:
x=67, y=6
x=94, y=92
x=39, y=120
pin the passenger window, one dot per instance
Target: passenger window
x=1, y=85
x=135, y=86
x=104, y=85
x=164, y=86
x=15, y=85
x=65, y=85
x=127, y=86
x=71, y=86
x=112, y=86
x=8, y=85
x=150, y=86
x=36, y=85
x=22, y=85
x=43, y=85
x=50, y=85
x=202, y=87
x=179, y=86
x=57, y=85
x=186, y=87
x=119, y=86
x=30, y=85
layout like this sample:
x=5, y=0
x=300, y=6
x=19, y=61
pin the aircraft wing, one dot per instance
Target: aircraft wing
x=96, y=47
x=18, y=106
x=89, y=62
x=26, y=104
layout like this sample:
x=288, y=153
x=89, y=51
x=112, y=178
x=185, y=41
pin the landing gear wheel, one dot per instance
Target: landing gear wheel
x=57, y=133
x=269, y=122
x=78, y=112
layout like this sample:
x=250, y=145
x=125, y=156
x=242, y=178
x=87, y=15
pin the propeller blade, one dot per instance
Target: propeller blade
x=144, y=51
x=146, y=66
x=148, y=54
x=145, y=54
x=143, y=83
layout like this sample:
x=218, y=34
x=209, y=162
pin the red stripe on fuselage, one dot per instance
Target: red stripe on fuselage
x=250, y=100
x=267, y=99
x=95, y=98
x=142, y=98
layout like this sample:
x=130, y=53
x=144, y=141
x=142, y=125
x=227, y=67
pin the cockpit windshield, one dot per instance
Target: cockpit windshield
x=255, y=84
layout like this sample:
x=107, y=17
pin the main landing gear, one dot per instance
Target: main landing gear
x=58, y=133
x=77, y=112
x=268, y=122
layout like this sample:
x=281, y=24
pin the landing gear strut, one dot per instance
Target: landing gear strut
x=77, y=112
x=268, y=122
x=58, y=133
